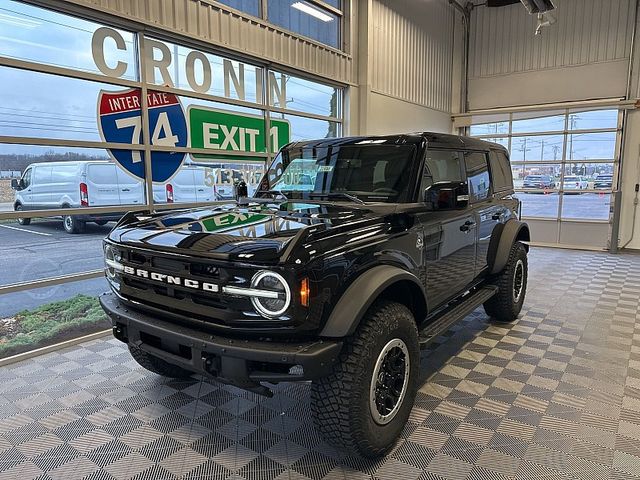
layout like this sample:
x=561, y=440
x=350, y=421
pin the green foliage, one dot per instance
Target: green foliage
x=53, y=322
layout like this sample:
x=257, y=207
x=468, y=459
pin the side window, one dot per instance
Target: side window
x=26, y=178
x=442, y=166
x=477, y=176
x=500, y=171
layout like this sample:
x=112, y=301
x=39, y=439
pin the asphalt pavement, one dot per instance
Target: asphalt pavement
x=43, y=249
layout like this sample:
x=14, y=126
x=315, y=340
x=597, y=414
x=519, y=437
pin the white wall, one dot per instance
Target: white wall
x=389, y=115
x=411, y=79
x=583, y=56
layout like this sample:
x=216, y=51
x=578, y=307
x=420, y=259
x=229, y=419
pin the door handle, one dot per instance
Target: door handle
x=468, y=225
x=126, y=190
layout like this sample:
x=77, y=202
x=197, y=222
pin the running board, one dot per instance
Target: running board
x=455, y=313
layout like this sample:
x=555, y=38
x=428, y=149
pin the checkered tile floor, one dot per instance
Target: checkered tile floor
x=555, y=395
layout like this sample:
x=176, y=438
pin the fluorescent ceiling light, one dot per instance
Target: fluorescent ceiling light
x=314, y=12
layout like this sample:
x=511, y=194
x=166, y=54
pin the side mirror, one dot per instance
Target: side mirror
x=15, y=184
x=241, y=191
x=447, y=196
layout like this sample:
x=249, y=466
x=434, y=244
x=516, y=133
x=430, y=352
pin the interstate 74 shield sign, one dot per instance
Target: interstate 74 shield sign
x=120, y=121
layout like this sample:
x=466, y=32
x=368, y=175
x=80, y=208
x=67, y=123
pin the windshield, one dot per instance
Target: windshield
x=377, y=173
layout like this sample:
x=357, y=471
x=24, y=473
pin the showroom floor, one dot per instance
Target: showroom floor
x=555, y=395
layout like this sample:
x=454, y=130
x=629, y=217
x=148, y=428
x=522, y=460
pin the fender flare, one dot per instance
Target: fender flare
x=500, y=246
x=360, y=295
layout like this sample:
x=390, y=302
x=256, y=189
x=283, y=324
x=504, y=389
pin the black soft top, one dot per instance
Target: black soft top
x=441, y=140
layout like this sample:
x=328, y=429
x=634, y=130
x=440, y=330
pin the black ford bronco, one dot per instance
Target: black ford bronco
x=352, y=255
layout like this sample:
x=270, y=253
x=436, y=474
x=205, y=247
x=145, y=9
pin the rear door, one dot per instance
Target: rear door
x=486, y=211
x=449, y=235
x=130, y=190
x=102, y=184
x=203, y=192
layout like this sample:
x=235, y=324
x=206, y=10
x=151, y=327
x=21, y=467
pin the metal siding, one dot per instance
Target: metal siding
x=412, y=50
x=203, y=21
x=587, y=31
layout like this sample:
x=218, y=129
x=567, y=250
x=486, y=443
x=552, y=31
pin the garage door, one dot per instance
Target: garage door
x=564, y=166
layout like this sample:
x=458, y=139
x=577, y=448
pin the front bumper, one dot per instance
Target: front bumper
x=240, y=362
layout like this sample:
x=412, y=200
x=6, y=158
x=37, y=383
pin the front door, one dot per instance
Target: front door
x=449, y=235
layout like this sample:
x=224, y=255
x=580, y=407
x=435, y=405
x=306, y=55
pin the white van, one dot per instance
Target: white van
x=55, y=185
x=100, y=183
x=190, y=184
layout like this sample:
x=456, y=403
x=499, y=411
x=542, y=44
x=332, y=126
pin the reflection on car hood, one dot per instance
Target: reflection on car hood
x=250, y=233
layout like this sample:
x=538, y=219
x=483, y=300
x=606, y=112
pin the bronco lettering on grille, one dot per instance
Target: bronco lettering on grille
x=171, y=279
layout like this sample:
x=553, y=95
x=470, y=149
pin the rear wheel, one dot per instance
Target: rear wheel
x=505, y=305
x=157, y=365
x=72, y=224
x=22, y=221
x=365, y=403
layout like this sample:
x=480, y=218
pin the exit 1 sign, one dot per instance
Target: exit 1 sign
x=220, y=131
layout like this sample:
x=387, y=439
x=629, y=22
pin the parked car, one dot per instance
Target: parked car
x=539, y=182
x=574, y=183
x=604, y=181
x=56, y=185
x=340, y=283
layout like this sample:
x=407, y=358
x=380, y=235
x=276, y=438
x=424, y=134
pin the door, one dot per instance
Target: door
x=130, y=190
x=24, y=195
x=41, y=187
x=486, y=212
x=102, y=185
x=449, y=235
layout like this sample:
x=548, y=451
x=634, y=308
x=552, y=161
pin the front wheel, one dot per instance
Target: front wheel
x=22, y=221
x=72, y=224
x=364, y=404
x=505, y=306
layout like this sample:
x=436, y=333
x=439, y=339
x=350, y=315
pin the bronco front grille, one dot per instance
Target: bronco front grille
x=211, y=304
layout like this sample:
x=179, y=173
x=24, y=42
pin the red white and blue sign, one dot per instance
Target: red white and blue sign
x=120, y=121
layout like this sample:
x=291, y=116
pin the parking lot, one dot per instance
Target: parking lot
x=43, y=249
x=591, y=206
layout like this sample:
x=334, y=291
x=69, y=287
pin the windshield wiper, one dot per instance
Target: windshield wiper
x=274, y=192
x=349, y=196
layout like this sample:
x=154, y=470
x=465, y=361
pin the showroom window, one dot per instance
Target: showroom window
x=104, y=110
x=563, y=162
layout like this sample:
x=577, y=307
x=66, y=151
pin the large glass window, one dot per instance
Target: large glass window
x=212, y=122
x=563, y=162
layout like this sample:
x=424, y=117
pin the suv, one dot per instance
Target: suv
x=541, y=182
x=353, y=254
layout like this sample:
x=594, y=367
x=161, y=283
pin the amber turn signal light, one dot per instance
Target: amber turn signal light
x=304, y=292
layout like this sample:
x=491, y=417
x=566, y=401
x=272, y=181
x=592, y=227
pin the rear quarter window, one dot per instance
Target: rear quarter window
x=501, y=171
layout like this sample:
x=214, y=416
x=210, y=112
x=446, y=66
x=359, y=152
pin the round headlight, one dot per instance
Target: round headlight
x=277, y=289
x=112, y=260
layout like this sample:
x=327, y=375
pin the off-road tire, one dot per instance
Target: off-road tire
x=504, y=306
x=340, y=403
x=22, y=221
x=157, y=365
x=72, y=224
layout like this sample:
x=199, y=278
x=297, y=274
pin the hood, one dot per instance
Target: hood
x=258, y=232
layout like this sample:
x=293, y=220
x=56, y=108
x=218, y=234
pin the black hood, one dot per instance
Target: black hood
x=258, y=232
